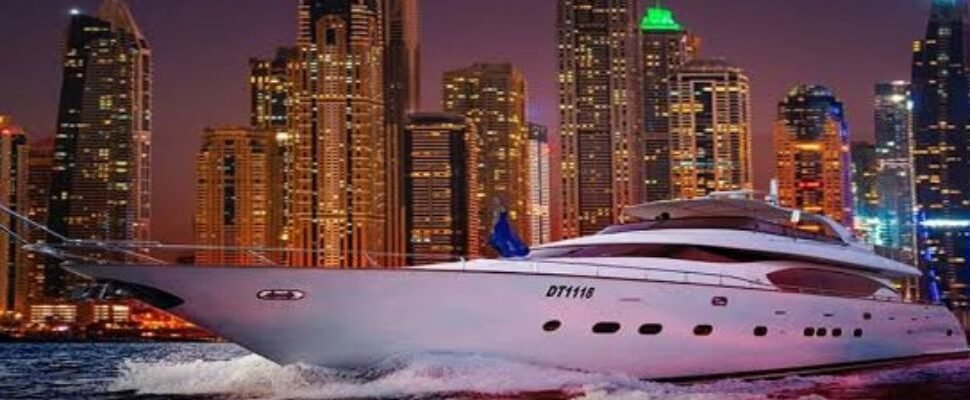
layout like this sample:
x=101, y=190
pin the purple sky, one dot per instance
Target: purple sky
x=201, y=50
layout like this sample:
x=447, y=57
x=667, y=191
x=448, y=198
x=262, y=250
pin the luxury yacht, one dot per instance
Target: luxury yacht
x=696, y=289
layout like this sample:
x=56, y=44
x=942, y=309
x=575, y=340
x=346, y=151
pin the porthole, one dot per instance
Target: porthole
x=719, y=301
x=703, y=330
x=551, y=326
x=603, y=328
x=760, y=331
x=820, y=332
x=866, y=316
x=809, y=332
x=857, y=332
x=651, y=329
x=949, y=332
x=280, y=295
x=837, y=332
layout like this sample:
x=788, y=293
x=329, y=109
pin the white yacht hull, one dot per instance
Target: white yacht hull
x=355, y=318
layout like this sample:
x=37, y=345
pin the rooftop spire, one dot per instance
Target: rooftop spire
x=658, y=18
x=116, y=13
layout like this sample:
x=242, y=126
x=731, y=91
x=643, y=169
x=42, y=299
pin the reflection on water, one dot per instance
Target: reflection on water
x=222, y=371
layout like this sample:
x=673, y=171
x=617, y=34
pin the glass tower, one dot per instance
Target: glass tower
x=665, y=45
x=894, y=184
x=441, y=181
x=14, y=156
x=101, y=182
x=710, y=129
x=599, y=113
x=941, y=153
x=811, y=140
x=337, y=201
x=493, y=97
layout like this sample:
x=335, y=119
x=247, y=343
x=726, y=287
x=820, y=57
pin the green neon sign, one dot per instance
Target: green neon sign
x=659, y=19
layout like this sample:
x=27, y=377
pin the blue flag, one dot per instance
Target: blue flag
x=504, y=239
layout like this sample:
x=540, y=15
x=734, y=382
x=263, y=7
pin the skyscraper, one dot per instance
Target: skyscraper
x=539, y=194
x=865, y=194
x=894, y=127
x=13, y=194
x=664, y=46
x=441, y=190
x=234, y=198
x=941, y=153
x=39, y=169
x=338, y=203
x=599, y=112
x=101, y=176
x=710, y=128
x=401, y=96
x=811, y=143
x=493, y=97
x=271, y=87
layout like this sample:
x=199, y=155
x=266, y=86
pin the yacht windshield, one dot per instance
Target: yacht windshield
x=805, y=230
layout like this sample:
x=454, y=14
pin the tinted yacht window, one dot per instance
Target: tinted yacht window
x=652, y=250
x=824, y=282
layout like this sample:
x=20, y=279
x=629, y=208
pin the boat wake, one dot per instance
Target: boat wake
x=424, y=376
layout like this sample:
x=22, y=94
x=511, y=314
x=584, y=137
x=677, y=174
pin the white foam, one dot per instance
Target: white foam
x=443, y=374
x=427, y=374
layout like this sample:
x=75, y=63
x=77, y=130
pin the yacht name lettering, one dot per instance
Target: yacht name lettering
x=571, y=292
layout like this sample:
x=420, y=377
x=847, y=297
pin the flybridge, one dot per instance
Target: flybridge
x=726, y=206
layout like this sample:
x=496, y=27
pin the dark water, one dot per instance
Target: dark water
x=223, y=371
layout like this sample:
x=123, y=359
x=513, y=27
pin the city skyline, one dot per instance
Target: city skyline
x=449, y=43
x=219, y=171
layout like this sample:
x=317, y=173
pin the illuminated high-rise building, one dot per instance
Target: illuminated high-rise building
x=337, y=203
x=941, y=154
x=39, y=169
x=101, y=176
x=710, y=129
x=14, y=154
x=401, y=97
x=233, y=196
x=665, y=45
x=493, y=97
x=599, y=113
x=894, y=128
x=865, y=194
x=441, y=189
x=539, y=182
x=271, y=86
x=811, y=143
